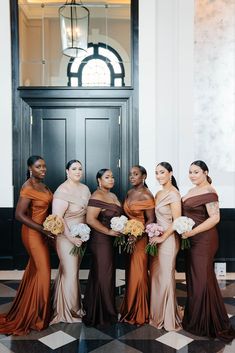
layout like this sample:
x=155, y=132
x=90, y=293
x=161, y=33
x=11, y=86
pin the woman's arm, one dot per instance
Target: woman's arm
x=149, y=216
x=176, y=212
x=92, y=220
x=59, y=208
x=21, y=214
x=214, y=218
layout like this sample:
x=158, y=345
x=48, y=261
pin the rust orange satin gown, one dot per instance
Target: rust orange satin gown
x=31, y=306
x=135, y=305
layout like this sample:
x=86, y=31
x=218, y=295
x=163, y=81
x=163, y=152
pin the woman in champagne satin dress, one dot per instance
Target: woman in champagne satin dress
x=70, y=203
x=139, y=204
x=99, y=299
x=164, y=310
x=205, y=313
x=31, y=306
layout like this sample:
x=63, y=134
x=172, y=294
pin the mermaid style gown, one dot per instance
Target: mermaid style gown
x=135, y=305
x=67, y=306
x=31, y=306
x=205, y=313
x=99, y=300
x=164, y=311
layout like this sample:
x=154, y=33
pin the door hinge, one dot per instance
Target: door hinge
x=119, y=120
x=119, y=163
x=31, y=120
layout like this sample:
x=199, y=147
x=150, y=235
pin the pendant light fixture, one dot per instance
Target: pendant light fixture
x=74, y=26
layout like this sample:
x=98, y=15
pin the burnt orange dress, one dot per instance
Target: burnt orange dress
x=31, y=306
x=135, y=305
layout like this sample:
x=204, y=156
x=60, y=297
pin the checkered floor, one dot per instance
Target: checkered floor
x=120, y=338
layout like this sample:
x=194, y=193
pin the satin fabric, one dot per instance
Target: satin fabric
x=99, y=300
x=164, y=311
x=31, y=306
x=67, y=305
x=205, y=313
x=135, y=305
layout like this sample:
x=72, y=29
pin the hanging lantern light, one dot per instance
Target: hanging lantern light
x=74, y=25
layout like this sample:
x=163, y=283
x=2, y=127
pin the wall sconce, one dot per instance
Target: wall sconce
x=74, y=26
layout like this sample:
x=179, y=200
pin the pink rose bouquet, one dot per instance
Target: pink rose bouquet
x=153, y=230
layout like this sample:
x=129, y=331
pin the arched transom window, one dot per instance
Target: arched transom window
x=102, y=66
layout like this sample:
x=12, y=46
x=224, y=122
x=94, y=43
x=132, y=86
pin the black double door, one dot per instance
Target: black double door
x=89, y=134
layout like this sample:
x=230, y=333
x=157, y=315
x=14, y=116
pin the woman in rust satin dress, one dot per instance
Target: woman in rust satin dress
x=31, y=306
x=205, y=313
x=139, y=204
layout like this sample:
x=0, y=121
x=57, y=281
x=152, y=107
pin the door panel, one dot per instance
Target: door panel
x=90, y=135
x=52, y=131
x=100, y=131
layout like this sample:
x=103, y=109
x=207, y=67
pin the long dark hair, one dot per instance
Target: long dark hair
x=168, y=167
x=68, y=165
x=30, y=161
x=143, y=171
x=100, y=173
x=204, y=167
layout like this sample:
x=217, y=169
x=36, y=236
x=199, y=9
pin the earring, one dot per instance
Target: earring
x=99, y=185
x=30, y=173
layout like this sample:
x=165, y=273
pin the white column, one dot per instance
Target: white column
x=166, y=85
x=6, y=188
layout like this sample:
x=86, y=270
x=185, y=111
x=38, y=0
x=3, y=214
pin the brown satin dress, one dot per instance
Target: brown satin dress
x=205, y=313
x=135, y=305
x=99, y=300
x=31, y=306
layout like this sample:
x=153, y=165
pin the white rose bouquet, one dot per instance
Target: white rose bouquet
x=82, y=231
x=118, y=224
x=181, y=225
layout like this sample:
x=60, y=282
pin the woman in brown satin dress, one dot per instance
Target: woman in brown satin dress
x=205, y=313
x=99, y=300
x=139, y=204
x=164, y=311
x=31, y=306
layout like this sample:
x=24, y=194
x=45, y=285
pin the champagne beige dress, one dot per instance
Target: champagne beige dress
x=164, y=311
x=67, y=305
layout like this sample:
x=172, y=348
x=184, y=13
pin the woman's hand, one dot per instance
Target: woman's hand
x=187, y=234
x=113, y=233
x=75, y=240
x=48, y=234
x=156, y=240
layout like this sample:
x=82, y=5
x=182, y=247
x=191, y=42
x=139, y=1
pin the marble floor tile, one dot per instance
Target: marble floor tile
x=174, y=340
x=57, y=339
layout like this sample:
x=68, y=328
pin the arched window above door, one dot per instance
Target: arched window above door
x=102, y=66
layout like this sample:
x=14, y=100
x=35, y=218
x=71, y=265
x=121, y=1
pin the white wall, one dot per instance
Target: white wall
x=6, y=189
x=166, y=86
x=171, y=65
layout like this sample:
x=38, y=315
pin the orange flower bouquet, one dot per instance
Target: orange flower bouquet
x=133, y=229
x=53, y=224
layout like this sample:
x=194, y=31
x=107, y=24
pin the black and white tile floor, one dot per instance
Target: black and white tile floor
x=119, y=338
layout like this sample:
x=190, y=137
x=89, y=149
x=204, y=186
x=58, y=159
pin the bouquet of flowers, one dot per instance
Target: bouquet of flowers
x=153, y=230
x=133, y=229
x=53, y=224
x=118, y=224
x=82, y=231
x=181, y=225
